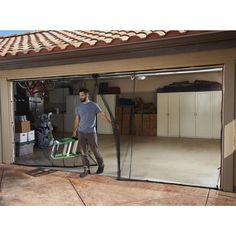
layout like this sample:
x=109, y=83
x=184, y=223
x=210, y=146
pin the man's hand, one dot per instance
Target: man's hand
x=74, y=133
x=115, y=125
x=103, y=115
x=76, y=125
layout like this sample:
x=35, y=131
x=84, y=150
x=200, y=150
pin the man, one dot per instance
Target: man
x=85, y=125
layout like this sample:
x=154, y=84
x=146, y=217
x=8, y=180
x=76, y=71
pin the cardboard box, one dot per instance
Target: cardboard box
x=127, y=110
x=119, y=113
x=153, y=121
x=146, y=124
x=149, y=124
x=20, y=137
x=22, y=126
x=31, y=136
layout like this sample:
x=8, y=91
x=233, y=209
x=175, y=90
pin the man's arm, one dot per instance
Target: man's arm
x=76, y=125
x=103, y=115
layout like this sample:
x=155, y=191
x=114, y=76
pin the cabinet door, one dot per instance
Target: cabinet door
x=187, y=114
x=71, y=103
x=102, y=126
x=58, y=121
x=58, y=95
x=203, y=115
x=173, y=115
x=162, y=111
x=216, y=114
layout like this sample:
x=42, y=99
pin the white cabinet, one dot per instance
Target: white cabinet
x=58, y=121
x=69, y=120
x=65, y=122
x=102, y=126
x=71, y=102
x=173, y=115
x=189, y=114
x=58, y=95
x=203, y=115
x=162, y=121
x=168, y=114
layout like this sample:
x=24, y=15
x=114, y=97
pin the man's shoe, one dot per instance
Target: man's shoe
x=100, y=169
x=85, y=173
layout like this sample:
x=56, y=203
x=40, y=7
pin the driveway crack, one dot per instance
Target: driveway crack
x=80, y=197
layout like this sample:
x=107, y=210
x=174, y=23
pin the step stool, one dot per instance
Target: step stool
x=66, y=153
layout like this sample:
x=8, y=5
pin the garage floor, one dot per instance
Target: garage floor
x=18, y=188
x=186, y=161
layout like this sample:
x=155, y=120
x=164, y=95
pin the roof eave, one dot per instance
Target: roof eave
x=200, y=41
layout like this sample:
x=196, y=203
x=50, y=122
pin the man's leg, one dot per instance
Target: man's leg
x=92, y=140
x=83, y=144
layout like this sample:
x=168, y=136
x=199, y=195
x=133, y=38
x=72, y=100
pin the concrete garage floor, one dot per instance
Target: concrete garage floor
x=186, y=161
x=174, y=160
x=17, y=188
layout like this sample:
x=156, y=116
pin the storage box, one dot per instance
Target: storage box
x=31, y=136
x=127, y=110
x=20, y=137
x=149, y=125
x=145, y=124
x=113, y=90
x=22, y=126
x=119, y=113
x=138, y=124
x=24, y=149
x=125, y=124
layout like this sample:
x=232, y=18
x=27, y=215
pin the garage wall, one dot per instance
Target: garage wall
x=0, y=132
x=152, y=83
x=6, y=122
x=146, y=89
x=229, y=121
x=216, y=57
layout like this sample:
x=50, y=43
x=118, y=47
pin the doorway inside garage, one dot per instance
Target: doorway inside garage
x=170, y=123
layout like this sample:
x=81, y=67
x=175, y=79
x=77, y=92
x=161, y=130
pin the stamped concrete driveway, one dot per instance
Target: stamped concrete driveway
x=18, y=187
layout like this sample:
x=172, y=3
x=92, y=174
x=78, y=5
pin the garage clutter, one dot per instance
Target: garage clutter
x=136, y=117
x=24, y=136
x=145, y=118
x=186, y=86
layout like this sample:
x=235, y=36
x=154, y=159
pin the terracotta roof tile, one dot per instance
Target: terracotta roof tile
x=58, y=40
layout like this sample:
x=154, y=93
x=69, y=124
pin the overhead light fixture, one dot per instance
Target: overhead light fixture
x=138, y=77
x=141, y=77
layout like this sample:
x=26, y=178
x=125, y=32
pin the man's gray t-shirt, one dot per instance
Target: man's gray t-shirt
x=87, y=114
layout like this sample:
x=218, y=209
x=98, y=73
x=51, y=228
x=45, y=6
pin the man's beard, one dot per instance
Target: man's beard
x=83, y=99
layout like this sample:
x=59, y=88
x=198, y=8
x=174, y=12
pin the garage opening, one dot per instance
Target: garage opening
x=170, y=123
